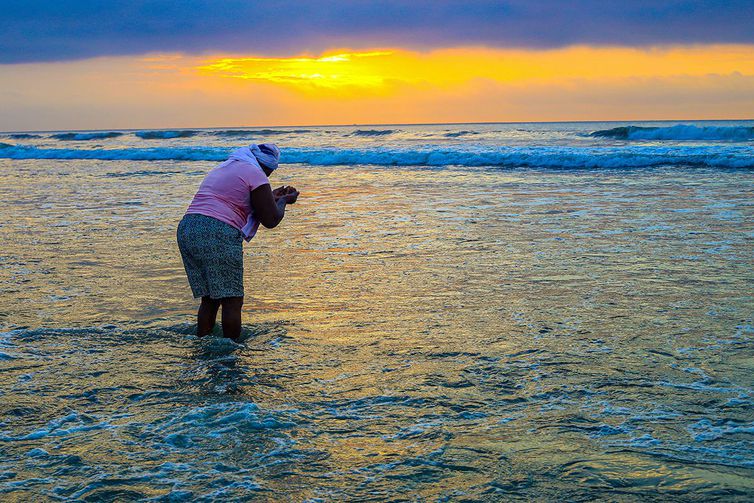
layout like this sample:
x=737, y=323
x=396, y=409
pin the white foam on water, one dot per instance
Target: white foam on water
x=550, y=157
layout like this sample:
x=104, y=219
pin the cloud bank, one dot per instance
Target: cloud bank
x=63, y=30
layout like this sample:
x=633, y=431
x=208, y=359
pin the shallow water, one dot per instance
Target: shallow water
x=444, y=334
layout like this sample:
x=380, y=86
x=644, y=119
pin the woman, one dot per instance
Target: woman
x=234, y=198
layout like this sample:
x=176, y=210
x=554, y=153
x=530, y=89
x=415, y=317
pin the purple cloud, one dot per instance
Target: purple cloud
x=55, y=30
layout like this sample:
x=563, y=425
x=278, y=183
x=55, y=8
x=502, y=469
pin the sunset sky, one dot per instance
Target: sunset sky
x=155, y=64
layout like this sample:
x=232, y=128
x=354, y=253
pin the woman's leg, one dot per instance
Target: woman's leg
x=205, y=319
x=232, y=317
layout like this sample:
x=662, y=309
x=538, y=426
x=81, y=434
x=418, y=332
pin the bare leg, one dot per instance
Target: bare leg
x=205, y=319
x=232, y=317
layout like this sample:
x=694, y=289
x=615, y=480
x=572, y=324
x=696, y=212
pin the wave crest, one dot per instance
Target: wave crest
x=456, y=134
x=161, y=135
x=679, y=132
x=22, y=136
x=234, y=133
x=373, y=132
x=501, y=157
x=86, y=136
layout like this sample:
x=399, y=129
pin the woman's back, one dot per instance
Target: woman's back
x=225, y=193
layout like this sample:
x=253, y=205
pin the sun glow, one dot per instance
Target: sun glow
x=334, y=71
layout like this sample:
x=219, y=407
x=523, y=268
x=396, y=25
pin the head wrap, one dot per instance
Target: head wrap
x=267, y=155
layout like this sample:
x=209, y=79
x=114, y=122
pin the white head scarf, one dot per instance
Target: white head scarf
x=267, y=154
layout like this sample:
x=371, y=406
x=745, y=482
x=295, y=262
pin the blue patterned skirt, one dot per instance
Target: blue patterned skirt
x=212, y=253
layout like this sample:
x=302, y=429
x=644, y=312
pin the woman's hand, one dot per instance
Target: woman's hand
x=280, y=191
x=291, y=195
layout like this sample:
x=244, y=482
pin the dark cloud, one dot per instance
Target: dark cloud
x=55, y=30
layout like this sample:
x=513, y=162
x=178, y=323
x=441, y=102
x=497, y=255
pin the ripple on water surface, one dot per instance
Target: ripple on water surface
x=151, y=411
x=548, y=335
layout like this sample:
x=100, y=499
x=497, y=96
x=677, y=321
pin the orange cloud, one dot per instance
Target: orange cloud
x=381, y=86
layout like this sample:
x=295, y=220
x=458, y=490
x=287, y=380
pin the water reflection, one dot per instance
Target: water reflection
x=544, y=335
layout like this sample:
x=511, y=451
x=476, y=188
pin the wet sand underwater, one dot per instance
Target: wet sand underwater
x=446, y=333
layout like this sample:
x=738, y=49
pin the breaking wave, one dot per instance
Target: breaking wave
x=161, y=135
x=679, y=132
x=22, y=136
x=503, y=157
x=233, y=133
x=456, y=134
x=86, y=136
x=128, y=154
x=374, y=132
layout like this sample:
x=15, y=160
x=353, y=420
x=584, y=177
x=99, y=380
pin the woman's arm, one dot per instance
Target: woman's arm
x=269, y=211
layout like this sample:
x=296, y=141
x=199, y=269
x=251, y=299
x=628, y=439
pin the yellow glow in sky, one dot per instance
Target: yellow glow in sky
x=381, y=85
x=379, y=71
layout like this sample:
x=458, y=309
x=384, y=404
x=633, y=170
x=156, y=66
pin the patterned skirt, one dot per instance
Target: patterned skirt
x=212, y=253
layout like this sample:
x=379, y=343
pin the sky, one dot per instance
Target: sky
x=93, y=64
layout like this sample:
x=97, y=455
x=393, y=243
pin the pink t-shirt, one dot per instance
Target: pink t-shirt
x=225, y=193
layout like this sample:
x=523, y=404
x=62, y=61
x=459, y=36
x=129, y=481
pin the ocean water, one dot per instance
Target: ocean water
x=450, y=312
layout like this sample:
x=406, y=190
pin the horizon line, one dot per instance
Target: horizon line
x=185, y=128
